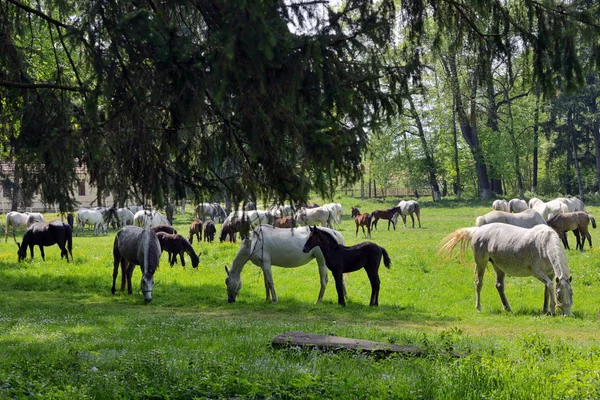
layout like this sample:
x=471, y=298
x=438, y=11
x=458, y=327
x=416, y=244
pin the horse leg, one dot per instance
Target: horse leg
x=339, y=287
x=115, y=274
x=269, y=285
x=357, y=229
x=479, y=273
x=373, y=275
x=322, y=275
x=419, y=218
x=129, y=274
x=181, y=258
x=41, y=251
x=500, y=287
x=413, y=220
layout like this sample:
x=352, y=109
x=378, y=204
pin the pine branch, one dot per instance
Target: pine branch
x=21, y=85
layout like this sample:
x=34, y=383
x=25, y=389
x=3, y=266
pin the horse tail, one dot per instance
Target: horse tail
x=69, y=240
x=418, y=210
x=386, y=258
x=371, y=221
x=593, y=221
x=460, y=236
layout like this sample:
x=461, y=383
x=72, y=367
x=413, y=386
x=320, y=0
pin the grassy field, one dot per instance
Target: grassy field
x=63, y=335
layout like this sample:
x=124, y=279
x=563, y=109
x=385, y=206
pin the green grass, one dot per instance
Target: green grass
x=63, y=335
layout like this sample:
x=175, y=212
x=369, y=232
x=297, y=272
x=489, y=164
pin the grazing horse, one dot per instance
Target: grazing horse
x=517, y=251
x=577, y=222
x=136, y=246
x=18, y=220
x=164, y=228
x=313, y=216
x=409, y=207
x=361, y=220
x=517, y=205
x=121, y=216
x=230, y=229
x=341, y=259
x=385, y=214
x=209, y=231
x=196, y=229
x=526, y=219
x=269, y=246
x=149, y=219
x=47, y=234
x=337, y=211
x=500, y=205
x=213, y=211
x=175, y=244
x=86, y=216
x=283, y=222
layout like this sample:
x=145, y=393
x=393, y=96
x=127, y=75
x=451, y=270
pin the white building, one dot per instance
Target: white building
x=84, y=193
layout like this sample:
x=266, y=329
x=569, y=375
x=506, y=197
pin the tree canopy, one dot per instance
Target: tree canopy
x=263, y=99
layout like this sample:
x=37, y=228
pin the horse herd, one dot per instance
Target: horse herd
x=517, y=238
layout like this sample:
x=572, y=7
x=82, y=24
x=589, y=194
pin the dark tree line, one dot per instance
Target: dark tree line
x=264, y=99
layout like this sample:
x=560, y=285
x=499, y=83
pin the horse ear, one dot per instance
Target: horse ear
x=570, y=279
x=226, y=270
x=557, y=280
x=19, y=245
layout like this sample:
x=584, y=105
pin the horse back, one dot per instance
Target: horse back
x=361, y=255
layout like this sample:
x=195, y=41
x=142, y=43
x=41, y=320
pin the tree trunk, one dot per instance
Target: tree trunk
x=429, y=159
x=574, y=149
x=16, y=189
x=457, y=189
x=468, y=127
x=536, y=124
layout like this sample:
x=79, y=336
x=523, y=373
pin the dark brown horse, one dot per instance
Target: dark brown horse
x=230, y=229
x=361, y=220
x=196, y=229
x=384, y=214
x=341, y=259
x=164, y=228
x=578, y=222
x=283, y=222
x=209, y=231
x=47, y=234
x=174, y=245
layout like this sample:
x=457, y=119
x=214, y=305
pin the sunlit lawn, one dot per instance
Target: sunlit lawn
x=63, y=334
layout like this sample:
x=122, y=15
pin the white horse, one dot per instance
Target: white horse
x=526, y=219
x=212, y=210
x=276, y=246
x=253, y=217
x=134, y=209
x=336, y=210
x=85, y=216
x=122, y=216
x=409, y=207
x=500, y=205
x=312, y=216
x=148, y=219
x=520, y=252
x=572, y=203
x=17, y=220
x=517, y=205
x=279, y=211
x=549, y=209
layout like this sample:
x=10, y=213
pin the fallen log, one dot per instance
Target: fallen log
x=326, y=342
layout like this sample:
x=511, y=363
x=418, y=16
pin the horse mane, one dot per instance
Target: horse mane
x=553, y=249
x=152, y=251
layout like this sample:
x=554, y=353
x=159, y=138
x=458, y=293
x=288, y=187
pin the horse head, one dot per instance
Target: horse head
x=313, y=239
x=233, y=286
x=564, y=295
x=21, y=252
x=147, y=286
